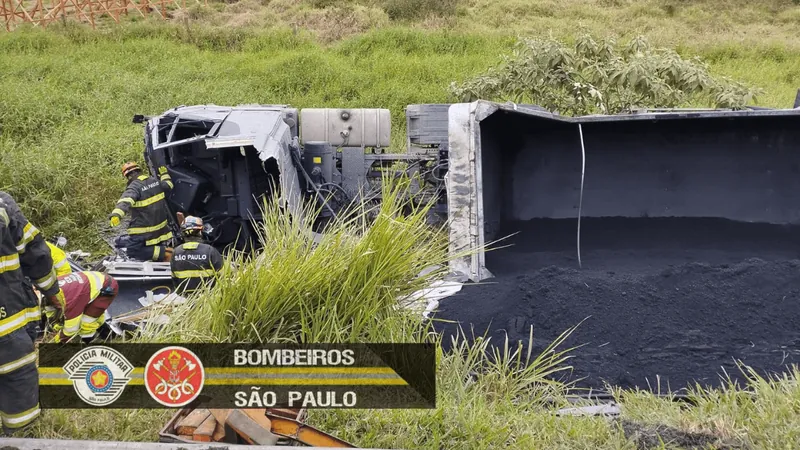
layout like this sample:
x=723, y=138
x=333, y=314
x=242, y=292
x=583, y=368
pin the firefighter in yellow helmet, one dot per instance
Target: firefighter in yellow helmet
x=23, y=253
x=144, y=199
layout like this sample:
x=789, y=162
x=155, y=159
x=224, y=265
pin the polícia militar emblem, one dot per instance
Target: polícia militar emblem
x=174, y=376
x=98, y=374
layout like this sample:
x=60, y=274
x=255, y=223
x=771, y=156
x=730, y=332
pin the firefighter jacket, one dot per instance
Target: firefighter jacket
x=60, y=262
x=23, y=252
x=193, y=263
x=144, y=200
x=80, y=290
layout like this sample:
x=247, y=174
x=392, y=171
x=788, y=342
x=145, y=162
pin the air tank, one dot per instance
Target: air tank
x=318, y=161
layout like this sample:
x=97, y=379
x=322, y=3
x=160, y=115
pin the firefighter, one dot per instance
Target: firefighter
x=148, y=232
x=87, y=294
x=23, y=253
x=194, y=261
x=60, y=262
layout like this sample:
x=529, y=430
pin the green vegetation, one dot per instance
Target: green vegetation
x=69, y=93
x=343, y=288
x=602, y=77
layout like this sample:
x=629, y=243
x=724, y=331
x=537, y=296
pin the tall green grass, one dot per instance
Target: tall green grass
x=342, y=286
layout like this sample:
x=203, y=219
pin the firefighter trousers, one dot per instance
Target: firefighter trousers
x=136, y=249
x=19, y=381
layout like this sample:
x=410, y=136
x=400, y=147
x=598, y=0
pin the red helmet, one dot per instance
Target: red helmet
x=129, y=167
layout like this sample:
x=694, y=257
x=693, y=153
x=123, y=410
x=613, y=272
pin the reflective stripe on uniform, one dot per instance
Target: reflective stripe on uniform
x=156, y=252
x=126, y=200
x=96, y=280
x=143, y=230
x=19, y=320
x=193, y=273
x=191, y=245
x=158, y=240
x=149, y=201
x=60, y=264
x=47, y=282
x=118, y=212
x=72, y=326
x=29, y=232
x=89, y=326
x=9, y=263
x=14, y=365
x=21, y=419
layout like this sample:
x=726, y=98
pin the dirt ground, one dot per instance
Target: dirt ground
x=678, y=299
x=649, y=437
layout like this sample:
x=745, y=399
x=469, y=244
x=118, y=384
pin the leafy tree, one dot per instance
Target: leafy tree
x=600, y=76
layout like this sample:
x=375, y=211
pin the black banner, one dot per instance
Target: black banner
x=371, y=376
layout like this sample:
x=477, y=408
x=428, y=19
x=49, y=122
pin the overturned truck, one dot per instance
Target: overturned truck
x=670, y=236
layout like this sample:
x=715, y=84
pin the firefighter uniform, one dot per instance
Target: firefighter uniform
x=60, y=262
x=88, y=295
x=149, y=230
x=23, y=252
x=192, y=264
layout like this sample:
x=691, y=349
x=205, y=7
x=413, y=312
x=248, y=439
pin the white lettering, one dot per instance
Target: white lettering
x=349, y=357
x=288, y=357
x=349, y=399
x=185, y=257
x=255, y=398
x=322, y=399
x=241, y=399
x=239, y=357
x=270, y=399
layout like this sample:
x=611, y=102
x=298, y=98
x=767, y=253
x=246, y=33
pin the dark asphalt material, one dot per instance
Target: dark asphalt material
x=675, y=298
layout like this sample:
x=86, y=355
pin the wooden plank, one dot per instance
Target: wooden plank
x=188, y=424
x=206, y=429
x=259, y=416
x=250, y=430
x=220, y=414
x=219, y=432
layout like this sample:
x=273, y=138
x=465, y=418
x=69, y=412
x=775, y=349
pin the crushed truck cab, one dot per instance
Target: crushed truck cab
x=224, y=161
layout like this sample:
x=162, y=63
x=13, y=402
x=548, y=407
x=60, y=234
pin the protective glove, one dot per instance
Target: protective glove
x=162, y=170
x=50, y=313
x=114, y=221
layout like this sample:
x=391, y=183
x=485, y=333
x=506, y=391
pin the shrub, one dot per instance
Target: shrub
x=600, y=77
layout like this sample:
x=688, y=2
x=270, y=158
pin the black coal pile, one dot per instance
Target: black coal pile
x=673, y=299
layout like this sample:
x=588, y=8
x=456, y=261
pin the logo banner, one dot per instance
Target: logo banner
x=134, y=376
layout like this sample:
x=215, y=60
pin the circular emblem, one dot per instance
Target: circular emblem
x=174, y=376
x=98, y=374
x=99, y=379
